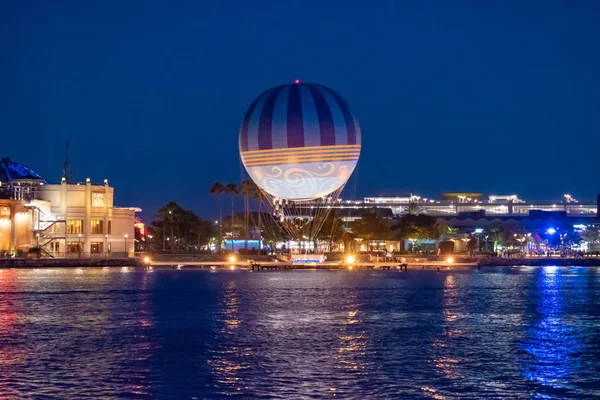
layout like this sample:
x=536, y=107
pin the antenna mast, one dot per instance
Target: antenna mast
x=67, y=167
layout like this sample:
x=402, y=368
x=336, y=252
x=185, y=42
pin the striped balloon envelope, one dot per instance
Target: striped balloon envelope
x=299, y=141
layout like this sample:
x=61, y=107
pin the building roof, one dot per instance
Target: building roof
x=358, y=212
x=11, y=171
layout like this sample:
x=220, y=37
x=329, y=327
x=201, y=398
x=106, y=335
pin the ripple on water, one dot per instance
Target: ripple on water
x=96, y=333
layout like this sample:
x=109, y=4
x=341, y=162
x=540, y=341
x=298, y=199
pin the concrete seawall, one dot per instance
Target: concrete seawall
x=540, y=262
x=68, y=262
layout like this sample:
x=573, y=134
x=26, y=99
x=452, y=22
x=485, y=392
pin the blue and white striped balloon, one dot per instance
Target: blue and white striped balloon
x=299, y=141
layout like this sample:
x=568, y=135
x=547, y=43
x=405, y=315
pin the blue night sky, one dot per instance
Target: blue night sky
x=451, y=96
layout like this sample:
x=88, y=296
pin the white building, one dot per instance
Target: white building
x=83, y=219
x=63, y=220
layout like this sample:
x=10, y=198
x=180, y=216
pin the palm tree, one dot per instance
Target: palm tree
x=371, y=226
x=248, y=189
x=217, y=190
x=417, y=227
x=232, y=190
x=495, y=232
x=413, y=208
x=333, y=230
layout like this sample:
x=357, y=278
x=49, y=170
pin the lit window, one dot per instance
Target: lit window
x=97, y=199
x=74, y=247
x=96, y=247
x=97, y=226
x=5, y=212
x=75, y=226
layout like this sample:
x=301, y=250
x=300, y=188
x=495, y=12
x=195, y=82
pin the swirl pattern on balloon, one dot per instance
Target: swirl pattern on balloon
x=301, y=181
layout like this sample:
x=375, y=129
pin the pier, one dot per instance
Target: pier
x=286, y=266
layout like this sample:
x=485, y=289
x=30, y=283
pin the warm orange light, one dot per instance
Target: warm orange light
x=450, y=260
x=232, y=259
x=141, y=227
x=147, y=260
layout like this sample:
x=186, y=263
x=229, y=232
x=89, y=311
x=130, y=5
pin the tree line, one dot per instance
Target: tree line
x=177, y=229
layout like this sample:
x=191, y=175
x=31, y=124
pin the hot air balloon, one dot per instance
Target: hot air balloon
x=299, y=142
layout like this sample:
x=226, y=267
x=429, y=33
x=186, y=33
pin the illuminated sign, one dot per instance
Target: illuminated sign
x=97, y=199
x=4, y=212
x=140, y=226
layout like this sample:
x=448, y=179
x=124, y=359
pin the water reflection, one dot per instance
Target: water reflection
x=8, y=311
x=353, y=343
x=142, y=347
x=443, y=355
x=502, y=333
x=552, y=345
x=12, y=355
x=229, y=359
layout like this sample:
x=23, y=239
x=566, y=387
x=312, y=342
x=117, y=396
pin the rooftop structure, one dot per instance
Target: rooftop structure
x=472, y=205
x=17, y=181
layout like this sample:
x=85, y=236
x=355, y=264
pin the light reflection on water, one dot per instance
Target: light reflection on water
x=353, y=339
x=229, y=358
x=443, y=355
x=98, y=333
x=554, y=344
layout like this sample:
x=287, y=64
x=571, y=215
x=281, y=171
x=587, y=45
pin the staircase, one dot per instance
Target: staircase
x=44, y=223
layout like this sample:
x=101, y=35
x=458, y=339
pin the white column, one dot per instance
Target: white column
x=11, y=243
x=87, y=223
x=106, y=219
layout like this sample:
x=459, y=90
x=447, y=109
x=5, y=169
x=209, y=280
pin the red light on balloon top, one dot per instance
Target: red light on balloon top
x=297, y=81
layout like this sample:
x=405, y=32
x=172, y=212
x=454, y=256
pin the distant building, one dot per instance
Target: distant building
x=62, y=219
x=472, y=210
x=510, y=205
x=461, y=197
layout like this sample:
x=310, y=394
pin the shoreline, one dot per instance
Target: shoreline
x=220, y=265
x=540, y=262
x=27, y=263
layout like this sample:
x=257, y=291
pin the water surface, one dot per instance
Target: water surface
x=184, y=334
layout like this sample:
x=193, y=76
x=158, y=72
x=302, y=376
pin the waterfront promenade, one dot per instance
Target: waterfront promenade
x=325, y=265
x=271, y=263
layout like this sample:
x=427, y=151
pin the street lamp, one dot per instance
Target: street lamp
x=79, y=244
x=126, y=248
x=105, y=246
